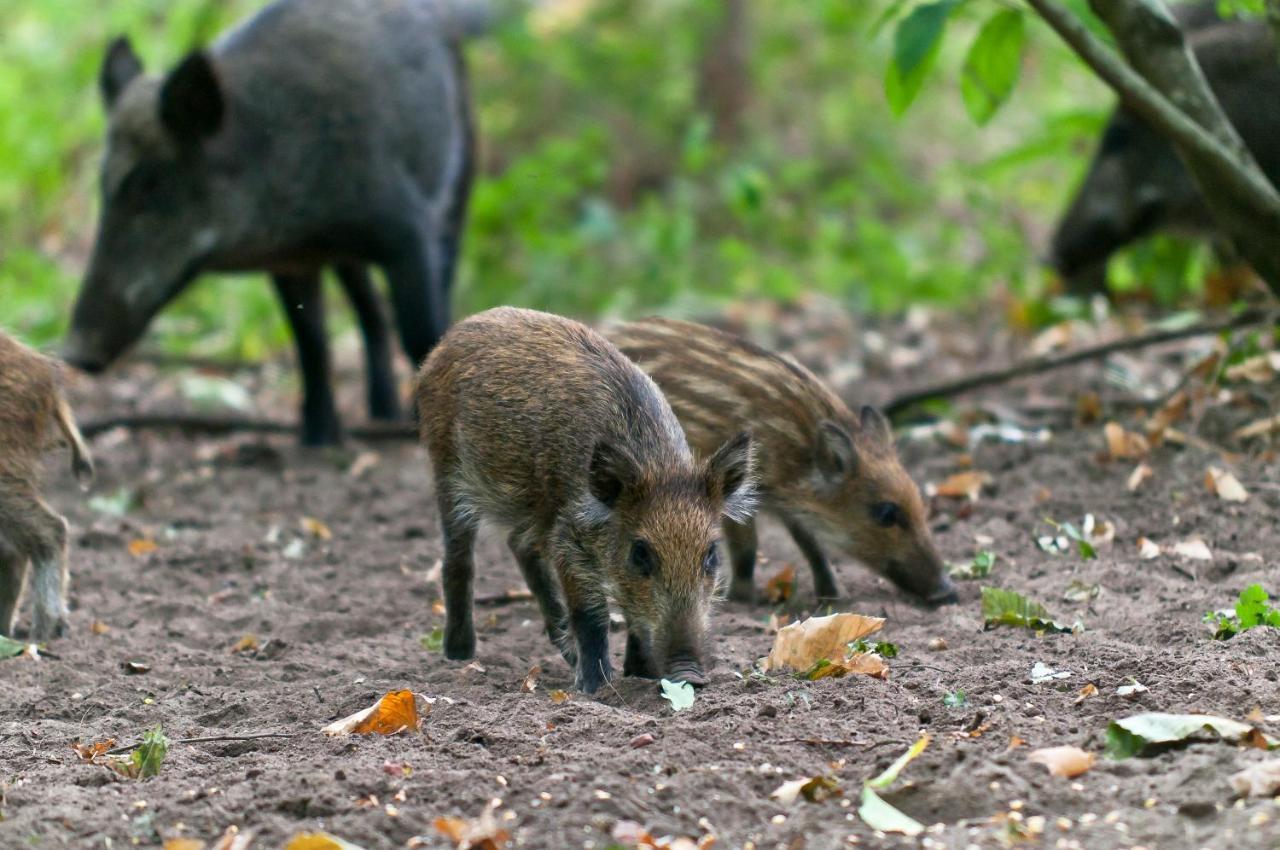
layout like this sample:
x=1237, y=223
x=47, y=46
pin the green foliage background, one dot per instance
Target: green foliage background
x=603, y=190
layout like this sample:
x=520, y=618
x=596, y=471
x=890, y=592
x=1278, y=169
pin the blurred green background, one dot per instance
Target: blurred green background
x=609, y=185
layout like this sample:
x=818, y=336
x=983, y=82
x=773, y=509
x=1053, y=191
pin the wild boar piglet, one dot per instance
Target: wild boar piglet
x=539, y=424
x=33, y=538
x=832, y=477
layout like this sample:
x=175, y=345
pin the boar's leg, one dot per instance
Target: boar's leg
x=34, y=531
x=13, y=577
x=542, y=586
x=824, y=580
x=742, y=552
x=638, y=661
x=303, y=302
x=459, y=577
x=420, y=298
x=588, y=614
x=380, y=382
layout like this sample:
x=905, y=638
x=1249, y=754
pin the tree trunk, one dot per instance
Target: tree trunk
x=1166, y=88
x=724, y=74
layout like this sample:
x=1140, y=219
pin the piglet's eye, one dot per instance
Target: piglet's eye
x=886, y=514
x=643, y=559
x=711, y=560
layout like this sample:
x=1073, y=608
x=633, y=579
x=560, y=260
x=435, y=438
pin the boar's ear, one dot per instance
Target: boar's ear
x=875, y=425
x=119, y=66
x=610, y=474
x=731, y=476
x=191, y=103
x=836, y=455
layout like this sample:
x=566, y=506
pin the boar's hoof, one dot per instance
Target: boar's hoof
x=686, y=671
x=742, y=591
x=460, y=645
x=590, y=680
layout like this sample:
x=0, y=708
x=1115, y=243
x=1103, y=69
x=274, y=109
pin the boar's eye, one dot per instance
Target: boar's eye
x=643, y=559
x=711, y=560
x=886, y=514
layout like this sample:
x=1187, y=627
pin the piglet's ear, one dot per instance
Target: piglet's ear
x=191, y=101
x=611, y=473
x=874, y=424
x=119, y=66
x=836, y=456
x=731, y=477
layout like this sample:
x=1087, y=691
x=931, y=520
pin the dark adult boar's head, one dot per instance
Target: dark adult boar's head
x=1135, y=186
x=657, y=537
x=864, y=503
x=164, y=187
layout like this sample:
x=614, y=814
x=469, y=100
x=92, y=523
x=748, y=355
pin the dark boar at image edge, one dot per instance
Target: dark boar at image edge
x=833, y=477
x=540, y=424
x=33, y=538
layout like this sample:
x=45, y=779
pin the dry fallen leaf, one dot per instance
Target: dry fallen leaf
x=92, y=753
x=233, y=839
x=1194, y=549
x=248, y=643
x=396, y=711
x=363, y=463
x=318, y=841
x=1225, y=485
x=1089, y=690
x=1138, y=477
x=1015, y=742
x=142, y=546
x=1124, y=445
x=1258, y=780
x=630, y=834
x=483, y=833
x=558, y=696
x=99, y=628
x=866, y=663
x=642, y=740
x=781, y=585
x=800, y=645
x=1259, y=369
x=183, y=844
x=531, y=679
x=1259, y=428
x=964, y=485
x=316, y=528
x=815, y=789
x=1148, y=549
x=1069, y=762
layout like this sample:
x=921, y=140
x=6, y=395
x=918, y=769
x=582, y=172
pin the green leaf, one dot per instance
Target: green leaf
x=149, y=755
x=955, y=699
x=679, y=694
x=881, y=647
x=878, y=814
x=434, y=640
x=10, y=648
x=1132, y=735
x=916, y=42
x=890, y=773
x=991, y=66
x=1006, y=608
x=1251, y=607
x=979, y=567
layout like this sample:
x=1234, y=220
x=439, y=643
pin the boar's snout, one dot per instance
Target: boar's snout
x=945, y=594
x=81, y=353
x=926, y=579
x=685, y=669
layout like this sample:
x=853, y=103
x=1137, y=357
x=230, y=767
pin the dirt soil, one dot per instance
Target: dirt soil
x=339, y=622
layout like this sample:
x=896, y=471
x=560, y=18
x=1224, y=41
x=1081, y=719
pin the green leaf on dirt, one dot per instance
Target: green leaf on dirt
x=1252, y=609
x=149, y=756
x=916, y=42
x=433, y=641
x=878, y=814
x=979, y=567
x=955, y=699
x=1130, y=736
x=118, y=503
x=881, y=647
x=992, y=64
x=1080, y=591
x=679, y=694
x=1006, y=608
x=10, y=648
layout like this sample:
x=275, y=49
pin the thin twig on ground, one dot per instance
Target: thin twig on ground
x=206, y=740
x=1049, y=362
x=224, y=424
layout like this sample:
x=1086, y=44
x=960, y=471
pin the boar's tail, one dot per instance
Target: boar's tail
x=81, y=460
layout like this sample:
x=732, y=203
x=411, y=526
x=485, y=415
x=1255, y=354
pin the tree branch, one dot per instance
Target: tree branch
x=1049, y=362
x=215, y=424
x=1241, y=198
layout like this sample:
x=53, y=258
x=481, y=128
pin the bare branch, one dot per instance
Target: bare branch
x=212, y=424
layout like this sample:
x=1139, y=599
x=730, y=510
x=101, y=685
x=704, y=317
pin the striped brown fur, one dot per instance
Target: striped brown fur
x=539, y=424
x=833, y=477
x=33, y=538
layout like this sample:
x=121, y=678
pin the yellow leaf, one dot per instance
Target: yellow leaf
x=558, y=697
x=781, y=585
x=1259, y=428
x=483, y=833
x=964, y=485
x=1069, y=762
x=1124, y=445
x=99, y=628
x=531, y=679
x=142, y=546
x=316, y=528
x=397, y=711
x=800, y=645
x=248, y=643
x=183, y=844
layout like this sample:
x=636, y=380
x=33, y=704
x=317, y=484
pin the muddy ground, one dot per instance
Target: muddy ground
x=339, y=623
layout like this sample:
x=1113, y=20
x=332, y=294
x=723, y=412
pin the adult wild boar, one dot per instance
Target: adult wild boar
x=1136, y=185
x=314, y=134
